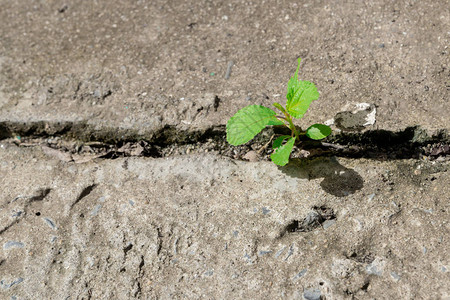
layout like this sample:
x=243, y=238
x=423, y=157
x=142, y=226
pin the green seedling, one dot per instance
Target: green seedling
x=250, y=120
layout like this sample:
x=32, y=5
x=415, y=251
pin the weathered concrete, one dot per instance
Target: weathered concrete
x=206, y=227
x=146, y=64
x=73, y=226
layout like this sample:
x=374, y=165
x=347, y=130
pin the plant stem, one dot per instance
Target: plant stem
x=292, y=127
x=288, y=118
x=284, y=119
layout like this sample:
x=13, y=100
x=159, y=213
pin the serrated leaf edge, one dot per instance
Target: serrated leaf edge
x=235, y=116
x=290, y=107
x=281, y=148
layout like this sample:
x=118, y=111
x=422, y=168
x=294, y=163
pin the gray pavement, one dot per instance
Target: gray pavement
x=206, y=227
x=115, y=181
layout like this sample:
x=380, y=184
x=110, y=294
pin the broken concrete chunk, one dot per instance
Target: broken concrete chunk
x=252, y=156
x=363, y=115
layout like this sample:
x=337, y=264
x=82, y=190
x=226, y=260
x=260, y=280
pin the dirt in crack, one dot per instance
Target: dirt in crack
x=80, y=142
x=314, y=219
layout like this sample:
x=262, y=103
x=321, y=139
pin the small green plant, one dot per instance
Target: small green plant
x=250, y=120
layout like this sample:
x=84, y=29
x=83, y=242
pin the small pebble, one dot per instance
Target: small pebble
x=395, y=276
x=96, y=209
x=300, y=274
x=17, y=214
x=228, y=73
x=5, y=285
x=13, y=244
x=50, y=223
x=262, y=252
x=328, y=223
x=329, y=122
x=312, y=294
x=375, y=268
x=248, y=258
x=290, y=252
x=279, y=252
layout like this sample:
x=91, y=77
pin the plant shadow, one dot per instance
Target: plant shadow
x=338, y=180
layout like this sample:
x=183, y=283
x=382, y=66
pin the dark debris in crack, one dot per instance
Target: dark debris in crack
x=81, y=141
x=314, y=219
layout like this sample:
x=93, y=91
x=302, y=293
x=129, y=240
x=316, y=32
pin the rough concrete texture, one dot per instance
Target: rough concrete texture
x=204, y=227
x=146, y=64
x=76, y=223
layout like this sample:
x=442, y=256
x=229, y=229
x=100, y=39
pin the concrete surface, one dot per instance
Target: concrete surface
x=202, y=227
x=76, y=223
x=146, y=64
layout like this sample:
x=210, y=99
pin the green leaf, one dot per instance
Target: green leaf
x=299, y=95
x=248, y=122
x=280, y=107
x=318, y=131
x=293, y=82
x=282, y=153
x=277, y=143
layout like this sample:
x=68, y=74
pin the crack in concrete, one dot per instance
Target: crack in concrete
x=109, y=143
